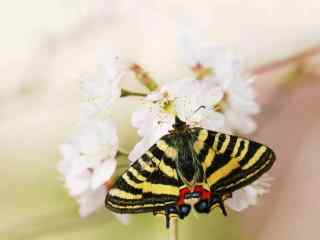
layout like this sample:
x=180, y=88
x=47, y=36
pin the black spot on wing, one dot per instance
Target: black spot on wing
x=123, y=185
x=222, y=138
x=158, y=153
x=137, y=166
x=145, y=158
x=210, y=139
x=133, y=178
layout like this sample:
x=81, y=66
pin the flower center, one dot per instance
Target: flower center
x=167, y=103
x=168, y=106
x=201, y=72
x=220, y=106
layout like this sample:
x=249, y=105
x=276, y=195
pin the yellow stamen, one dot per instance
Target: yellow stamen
x=201, y=71
x=220, y=106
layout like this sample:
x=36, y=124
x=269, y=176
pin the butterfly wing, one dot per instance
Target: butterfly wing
x=149, y=185
x=231, y=162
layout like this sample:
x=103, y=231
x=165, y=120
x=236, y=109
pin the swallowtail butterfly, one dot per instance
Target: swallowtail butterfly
x=189, y=167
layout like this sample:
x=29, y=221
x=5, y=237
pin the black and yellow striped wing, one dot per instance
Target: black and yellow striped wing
x=149, y=185
x=181, y=162
x=231, y=162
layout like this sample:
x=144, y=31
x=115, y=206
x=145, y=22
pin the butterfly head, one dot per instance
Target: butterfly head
x=179, y=125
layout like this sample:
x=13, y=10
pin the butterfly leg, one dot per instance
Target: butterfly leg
x=218, y=200
x=169, y=212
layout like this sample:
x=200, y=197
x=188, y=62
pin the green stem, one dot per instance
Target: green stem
x=127, y=93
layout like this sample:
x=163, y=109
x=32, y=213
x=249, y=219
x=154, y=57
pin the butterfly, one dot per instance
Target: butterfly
x=190, y=167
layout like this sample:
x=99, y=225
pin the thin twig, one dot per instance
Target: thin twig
x=173, y=229
x=284, y=62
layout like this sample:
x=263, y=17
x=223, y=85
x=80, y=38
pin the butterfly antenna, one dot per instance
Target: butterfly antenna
x=199, y=108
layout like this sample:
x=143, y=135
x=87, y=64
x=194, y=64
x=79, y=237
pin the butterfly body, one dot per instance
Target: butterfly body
x=189, y=167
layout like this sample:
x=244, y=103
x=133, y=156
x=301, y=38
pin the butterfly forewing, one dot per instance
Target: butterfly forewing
x=149, y=185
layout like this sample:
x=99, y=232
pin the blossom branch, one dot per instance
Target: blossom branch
x=285, y=62
x=144, y=77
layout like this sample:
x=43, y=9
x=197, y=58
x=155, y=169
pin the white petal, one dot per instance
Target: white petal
x=155, y=125
x=91, y=201
x=72, y=163
x=123, y=218
x=212, y=96
x=103, y=173
x=181, y=88
x=69, y=154
x=247, y=196
x=78, y=184
x=142, y=119
x=154, y=96
x=243, y=104
x=140, y=148
x=212, y=120
x=228, y=73
x=95, y=140
x=242, y=199
x=240, y=122
x=103, y=88
x=185, y=108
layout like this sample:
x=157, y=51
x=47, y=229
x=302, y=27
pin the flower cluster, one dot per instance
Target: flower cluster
x=89, y=157
x=217, y=94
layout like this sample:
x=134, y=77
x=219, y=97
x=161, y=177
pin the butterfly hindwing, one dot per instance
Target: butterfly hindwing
x=231, y=162
x=150, y=184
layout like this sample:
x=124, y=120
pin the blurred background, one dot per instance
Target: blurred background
x=48, y=47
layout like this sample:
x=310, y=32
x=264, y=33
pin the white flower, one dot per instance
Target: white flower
x=91, y=200
x=104, y=89
x=244, y=197
x=190, y=100
x=240, y=105
x=217, y=67
x=89, y=162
